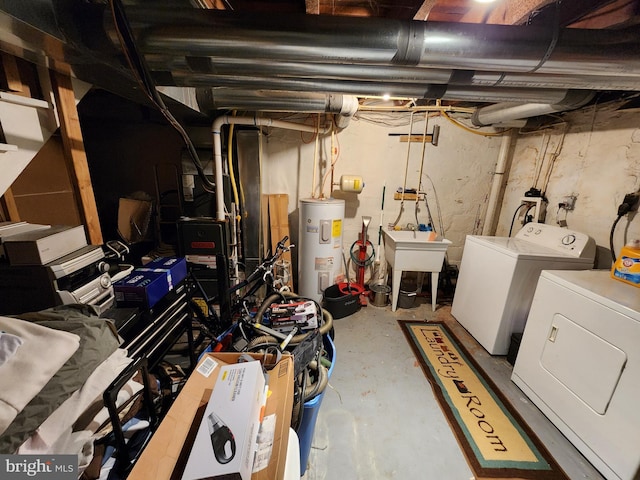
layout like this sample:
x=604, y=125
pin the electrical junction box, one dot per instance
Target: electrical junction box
x=534, y=207
x=568, y=202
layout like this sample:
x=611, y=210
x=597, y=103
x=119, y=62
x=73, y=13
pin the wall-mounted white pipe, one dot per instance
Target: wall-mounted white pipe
x=505, y=112
x=498, y=183
x=253, y=121
x=347, y=106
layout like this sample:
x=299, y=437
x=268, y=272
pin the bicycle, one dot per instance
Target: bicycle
x=238, y=324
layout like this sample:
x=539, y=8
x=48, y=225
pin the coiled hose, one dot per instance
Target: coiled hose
x=327, y=318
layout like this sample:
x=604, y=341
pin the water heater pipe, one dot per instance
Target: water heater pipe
x=253, y=121
x=498, y=182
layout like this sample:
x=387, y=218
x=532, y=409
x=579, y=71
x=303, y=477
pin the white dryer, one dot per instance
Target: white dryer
x=498, y=277
x=579, y=363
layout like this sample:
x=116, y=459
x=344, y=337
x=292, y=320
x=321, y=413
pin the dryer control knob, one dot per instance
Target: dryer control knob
x=568, y=239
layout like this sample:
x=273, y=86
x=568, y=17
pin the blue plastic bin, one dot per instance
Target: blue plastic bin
x=310, y=411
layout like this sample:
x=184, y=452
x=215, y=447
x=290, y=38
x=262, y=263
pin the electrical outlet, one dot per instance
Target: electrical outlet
x=629, y=204
x=568, y=203
x=534, y=210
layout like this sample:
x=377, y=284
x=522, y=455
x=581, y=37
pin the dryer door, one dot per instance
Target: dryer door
x=582, y=362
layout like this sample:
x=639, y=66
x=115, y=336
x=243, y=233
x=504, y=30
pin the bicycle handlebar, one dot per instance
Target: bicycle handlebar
x=264, y=267
x=280, y=249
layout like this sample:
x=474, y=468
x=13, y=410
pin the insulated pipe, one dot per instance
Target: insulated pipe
x=253, y=67
x=379, y=88
x=503, y=112
x=211, y=99
x=253, y=121
x=348, y=107
x=311, y=38
x=499, y=179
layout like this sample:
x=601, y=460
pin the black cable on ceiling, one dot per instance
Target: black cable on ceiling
x=139, y=68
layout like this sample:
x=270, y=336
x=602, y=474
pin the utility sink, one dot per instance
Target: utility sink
x=412, y=251
x=402, y=239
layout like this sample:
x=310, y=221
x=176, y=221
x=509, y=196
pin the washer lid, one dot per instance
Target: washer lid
x=600, y=287
x=523, y=249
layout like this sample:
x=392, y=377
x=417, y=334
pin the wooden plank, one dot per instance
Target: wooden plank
x=312, y=7
x=406, y=196
x=12, y=75
x=279, y=224
x=75, y=155
x=423, y=12
x=264, y=220
x=10, y=207
x=416, y=138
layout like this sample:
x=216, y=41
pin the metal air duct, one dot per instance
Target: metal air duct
x=183, y=70
x=547, y=69
x=374, y=41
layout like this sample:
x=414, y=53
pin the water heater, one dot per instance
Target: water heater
x=320, y=245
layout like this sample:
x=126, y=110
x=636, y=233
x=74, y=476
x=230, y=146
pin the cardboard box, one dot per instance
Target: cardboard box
x=174, y=267
x=225, y=444
x=141, y=289
x=134, y=217
x=279, y=407
x=166, y=454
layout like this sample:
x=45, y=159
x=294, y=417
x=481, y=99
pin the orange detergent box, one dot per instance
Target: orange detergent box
x=627, y=266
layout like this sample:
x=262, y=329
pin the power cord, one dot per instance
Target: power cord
x=629, y=204
x=613, y=229
x=514, y=217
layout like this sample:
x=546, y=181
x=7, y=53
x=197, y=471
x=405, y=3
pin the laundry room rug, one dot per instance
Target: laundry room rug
x=495, y=440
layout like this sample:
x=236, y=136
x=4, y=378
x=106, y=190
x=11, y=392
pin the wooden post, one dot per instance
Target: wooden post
x=76, y=155
x=10, y=207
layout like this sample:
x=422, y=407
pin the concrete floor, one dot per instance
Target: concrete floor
x=379, y=418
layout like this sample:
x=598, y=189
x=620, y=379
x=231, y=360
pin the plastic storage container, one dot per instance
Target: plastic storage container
x=408, y=292
x=310, y=411
x=338, y=304
x=407, y=299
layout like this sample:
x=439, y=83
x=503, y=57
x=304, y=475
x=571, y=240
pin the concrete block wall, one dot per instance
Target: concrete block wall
x=593, y=153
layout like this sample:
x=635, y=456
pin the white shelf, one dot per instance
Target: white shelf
x=5, y=147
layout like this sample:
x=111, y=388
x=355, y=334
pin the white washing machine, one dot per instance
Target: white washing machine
x=579, y=363
x=498, y=277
